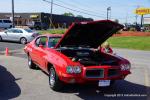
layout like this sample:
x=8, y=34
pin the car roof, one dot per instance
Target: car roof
x=20, y=28
x=17, y=28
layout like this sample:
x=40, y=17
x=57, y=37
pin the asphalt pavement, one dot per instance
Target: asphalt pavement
x=18, y=82
x=15, y=49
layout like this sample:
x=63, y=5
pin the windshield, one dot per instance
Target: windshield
x=28, y=30
x=53, y=41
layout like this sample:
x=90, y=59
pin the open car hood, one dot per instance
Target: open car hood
x=90, y=34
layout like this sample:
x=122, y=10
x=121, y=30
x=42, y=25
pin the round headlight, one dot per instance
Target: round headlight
x=77, y=69
x=73, y=69
x=69, y=69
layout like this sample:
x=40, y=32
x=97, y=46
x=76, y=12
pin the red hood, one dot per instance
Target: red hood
x=90, y=34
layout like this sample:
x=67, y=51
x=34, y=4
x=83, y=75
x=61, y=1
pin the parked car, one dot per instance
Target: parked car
x=5, y=23
x=19, y=35
x=38, y=25
x=70, y=59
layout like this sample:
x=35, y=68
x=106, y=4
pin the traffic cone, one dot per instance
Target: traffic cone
x=6, y=51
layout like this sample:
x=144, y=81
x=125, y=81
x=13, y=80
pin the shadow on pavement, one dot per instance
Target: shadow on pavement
x=122, y=90
x=10, y=42
x=8, y=87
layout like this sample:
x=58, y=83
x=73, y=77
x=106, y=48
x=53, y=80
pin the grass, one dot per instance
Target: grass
x=138, y=43
x=52, y=31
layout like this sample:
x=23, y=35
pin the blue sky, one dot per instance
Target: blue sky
x=120, y=9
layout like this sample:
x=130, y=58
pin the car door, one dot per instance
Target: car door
x=15, y=34
x=39, y=51
x=6, y=35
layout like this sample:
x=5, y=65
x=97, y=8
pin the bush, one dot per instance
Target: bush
x=132, y=29
x=119, y=32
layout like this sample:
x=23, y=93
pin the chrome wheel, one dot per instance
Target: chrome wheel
x=54, y=81
x=31, y=64
x=52, y=77
x=29, y=61
x=23, y=40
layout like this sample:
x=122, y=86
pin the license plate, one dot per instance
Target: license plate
x=102, y=83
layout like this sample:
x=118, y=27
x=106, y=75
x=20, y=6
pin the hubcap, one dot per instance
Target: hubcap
x=52, y=78
x=29, y=61
x=23, y=41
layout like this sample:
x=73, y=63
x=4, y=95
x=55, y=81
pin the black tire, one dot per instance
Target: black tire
x=23, y=40
x=1, y=38
x=31, y=64
x=54, y=81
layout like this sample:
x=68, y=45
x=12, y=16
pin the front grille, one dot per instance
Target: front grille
x=95, y=73
x=112, y=72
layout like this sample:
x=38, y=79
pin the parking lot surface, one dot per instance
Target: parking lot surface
x=18, y=82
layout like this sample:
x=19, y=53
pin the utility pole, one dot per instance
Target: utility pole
x=13, y=18
x=141, y=21
x=126, y=17
x=51, y=23
x=108, y=9
x=51, y=13
x=136, y=17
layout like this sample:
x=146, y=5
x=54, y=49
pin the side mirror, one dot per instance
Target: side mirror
x=41, y=46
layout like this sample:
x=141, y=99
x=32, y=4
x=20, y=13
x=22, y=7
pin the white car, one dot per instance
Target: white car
x=5, y=23
x=19, y=35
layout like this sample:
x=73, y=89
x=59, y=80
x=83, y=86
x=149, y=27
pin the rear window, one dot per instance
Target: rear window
x=28, y=30
x=6, y=21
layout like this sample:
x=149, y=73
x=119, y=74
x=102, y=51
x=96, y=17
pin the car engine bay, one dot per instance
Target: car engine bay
x=88, y=57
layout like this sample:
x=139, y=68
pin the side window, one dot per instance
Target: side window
x=0, y=21
x=17, y=31
x=53, y=41
x=37, y=42
x=41, y=41
x=20, y=31
x=10, y=31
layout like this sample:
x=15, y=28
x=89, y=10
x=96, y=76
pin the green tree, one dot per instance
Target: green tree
x=68, y=14
x=116, y=20
x=79, y=16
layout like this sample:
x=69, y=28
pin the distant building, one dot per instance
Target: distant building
x=23, y=19
x=146, y=20
x=146, y=23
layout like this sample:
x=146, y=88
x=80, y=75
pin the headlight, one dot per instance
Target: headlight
x=125, y=67
x=73, y=69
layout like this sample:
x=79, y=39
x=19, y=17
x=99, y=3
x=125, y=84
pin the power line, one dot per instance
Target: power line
x=78, y=7
x=74, y=9
x=87, y=5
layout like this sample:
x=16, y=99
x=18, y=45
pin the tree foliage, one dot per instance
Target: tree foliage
x=68, y=14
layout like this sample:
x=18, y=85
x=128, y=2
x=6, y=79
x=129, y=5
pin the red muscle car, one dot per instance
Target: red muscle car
x=70, y=58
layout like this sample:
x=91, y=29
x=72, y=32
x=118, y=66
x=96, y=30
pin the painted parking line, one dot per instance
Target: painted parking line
x=146, y=81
